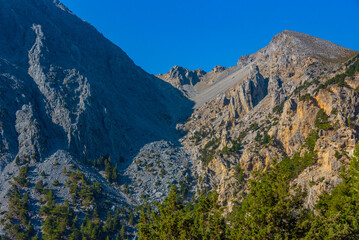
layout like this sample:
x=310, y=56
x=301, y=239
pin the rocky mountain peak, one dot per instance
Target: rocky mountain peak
x=301, y=44
x=183, y=79
x=186, y=76
x=79, y=118
x=218, y=69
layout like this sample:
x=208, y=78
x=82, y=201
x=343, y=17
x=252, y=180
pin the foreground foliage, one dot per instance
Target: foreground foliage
x=271, y=210
x=174, y=220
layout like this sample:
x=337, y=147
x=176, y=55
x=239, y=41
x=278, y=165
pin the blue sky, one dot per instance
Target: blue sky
x=159, y=34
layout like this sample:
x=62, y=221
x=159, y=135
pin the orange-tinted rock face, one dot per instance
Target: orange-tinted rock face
x=272, y=110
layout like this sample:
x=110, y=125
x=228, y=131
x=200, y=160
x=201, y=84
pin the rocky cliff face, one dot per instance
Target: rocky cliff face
x=69, y=96
x=264, y=115
x=190, y=82
x=82, y=88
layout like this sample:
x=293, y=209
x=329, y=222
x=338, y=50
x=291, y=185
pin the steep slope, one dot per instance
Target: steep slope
x=192, y=82
x=68, y=97
x=286, y=56
x=86, y=135
x=276, y=189
x=87, y=87
x=257, y=114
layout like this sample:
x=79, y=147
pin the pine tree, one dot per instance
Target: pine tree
x=123, y=230
x=131, y=218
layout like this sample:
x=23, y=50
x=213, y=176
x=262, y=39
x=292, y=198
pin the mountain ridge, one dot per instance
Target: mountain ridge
x=85, y=130
x=282, y=47
x=69, y=96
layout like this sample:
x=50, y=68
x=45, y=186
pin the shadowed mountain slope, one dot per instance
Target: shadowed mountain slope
x=87, y=95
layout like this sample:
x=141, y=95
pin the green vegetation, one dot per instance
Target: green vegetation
x=80, y=189
x=321, y=120
x=339, y=210
x=234, y=149
x=271, y=210
x=209, y=150
x=263, y=140
x=278, y=109
x=62, y=223
x=353, y=67
x=198, y=220
x=239, y=175
x=311, y=140
x=40, y=188
x=58, y=218
x=236, y=145
x=17, y=160
x=253, y=127
x=306, y=85
x=198, y=136
x=105, y=163
x=306, y=97
x=334, y=111
x=337, y=154
x=21, y=178
x=93, y=229
x=16, y=222
x=56, y=183
x=267, y=212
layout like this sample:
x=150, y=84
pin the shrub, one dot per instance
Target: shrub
x=56, y=183
x=39, y=187
x=209, y=150
x=321, y=120
x=278, y=109
x=21, y=178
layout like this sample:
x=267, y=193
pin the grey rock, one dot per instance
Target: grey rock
x=155, y=168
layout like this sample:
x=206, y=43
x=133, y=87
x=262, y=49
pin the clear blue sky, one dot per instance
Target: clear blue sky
x=158, y=34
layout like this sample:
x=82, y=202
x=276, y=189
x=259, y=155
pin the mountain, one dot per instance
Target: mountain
x=267, y=108
x=262, y=97
x=89, y=140
x=277, y=143
x=287, y=55
x=83, y=87
x=69, y=95
x=191, y=82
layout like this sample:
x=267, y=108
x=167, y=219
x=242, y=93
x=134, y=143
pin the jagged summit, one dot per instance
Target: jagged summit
x=287, y=56
x=182, y=73
x=287, y=44
x=183, y=78
x=218, y=68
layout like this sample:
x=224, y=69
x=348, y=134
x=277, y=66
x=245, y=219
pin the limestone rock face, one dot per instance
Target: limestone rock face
x=67, y=95
x=218, y=69
x=81, y=89
x=275, y=90
x=183, y=76
x=290, y=59
x=274, y=94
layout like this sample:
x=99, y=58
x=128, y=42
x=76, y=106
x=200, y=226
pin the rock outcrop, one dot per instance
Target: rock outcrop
x=267, y=107
x=86, y=89
x=69, y=98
